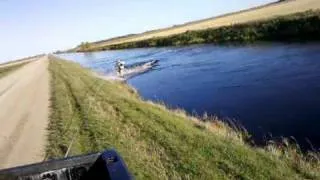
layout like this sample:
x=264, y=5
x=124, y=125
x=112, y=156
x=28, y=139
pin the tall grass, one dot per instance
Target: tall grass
x=155, y=142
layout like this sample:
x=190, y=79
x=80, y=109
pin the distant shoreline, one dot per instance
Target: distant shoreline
x=304, y=26
x=192, y=22
x=255, y=14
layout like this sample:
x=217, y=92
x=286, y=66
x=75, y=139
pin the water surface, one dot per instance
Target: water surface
x=271, y=89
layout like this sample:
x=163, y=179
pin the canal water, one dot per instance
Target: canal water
x=271, y=89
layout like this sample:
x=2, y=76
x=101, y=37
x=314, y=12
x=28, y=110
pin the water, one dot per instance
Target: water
x=269, y=88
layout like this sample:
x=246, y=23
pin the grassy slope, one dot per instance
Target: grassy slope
x=156, y=143
x=8, y=69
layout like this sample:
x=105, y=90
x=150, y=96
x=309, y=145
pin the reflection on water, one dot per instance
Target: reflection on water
x=268, y=88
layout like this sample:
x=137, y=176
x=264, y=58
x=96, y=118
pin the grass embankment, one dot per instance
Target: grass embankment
x=10, y=68
x=296, y=27
x=156, y=143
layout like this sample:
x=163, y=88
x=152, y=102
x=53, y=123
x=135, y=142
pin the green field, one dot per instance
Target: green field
x=90, y=114
x=8, y=69
x=297, y=27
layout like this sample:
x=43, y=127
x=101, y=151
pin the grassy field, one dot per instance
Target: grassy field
x=90, y=114
x=297, y=27
x=255, y=14
x=8, y=69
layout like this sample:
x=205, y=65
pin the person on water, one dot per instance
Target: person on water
x=120, y=67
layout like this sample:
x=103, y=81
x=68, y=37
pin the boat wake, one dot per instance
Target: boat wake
x=132, y=70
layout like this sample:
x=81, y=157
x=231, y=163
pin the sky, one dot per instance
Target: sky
x=30, y=27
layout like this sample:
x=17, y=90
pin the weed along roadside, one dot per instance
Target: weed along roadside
x=155, y=142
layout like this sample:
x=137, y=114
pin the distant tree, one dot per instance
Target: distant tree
x=58, y=52
x=85, y=46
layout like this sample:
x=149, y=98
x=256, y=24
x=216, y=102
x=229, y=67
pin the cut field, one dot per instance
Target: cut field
x=254, y=14
x=91, y=114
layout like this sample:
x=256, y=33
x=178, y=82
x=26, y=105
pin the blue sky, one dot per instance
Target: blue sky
x=40, y=26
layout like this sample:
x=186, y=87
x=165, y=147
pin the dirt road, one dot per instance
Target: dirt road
x=24, y=109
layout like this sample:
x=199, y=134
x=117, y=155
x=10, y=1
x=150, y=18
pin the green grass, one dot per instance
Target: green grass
x=156, y=143
x=8, y=69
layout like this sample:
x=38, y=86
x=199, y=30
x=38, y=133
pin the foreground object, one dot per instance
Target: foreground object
x=106, y=165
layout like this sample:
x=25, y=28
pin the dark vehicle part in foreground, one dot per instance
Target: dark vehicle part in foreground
x=107, y=165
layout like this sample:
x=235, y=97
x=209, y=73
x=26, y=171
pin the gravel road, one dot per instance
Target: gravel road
x=24, y=110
